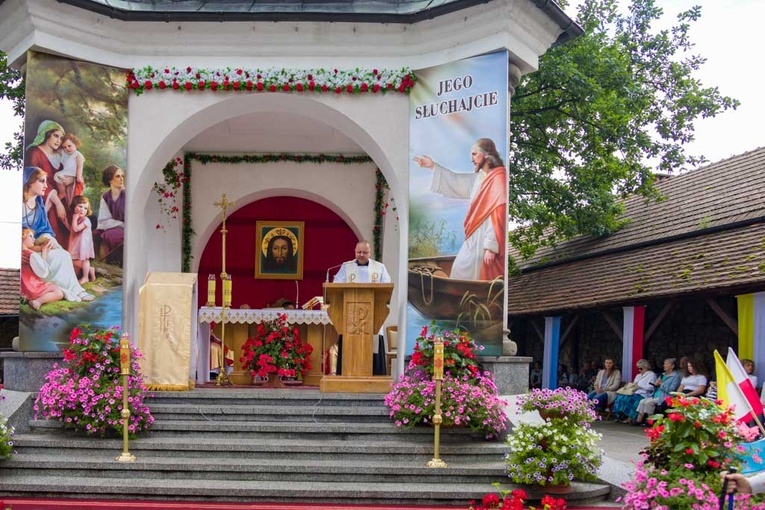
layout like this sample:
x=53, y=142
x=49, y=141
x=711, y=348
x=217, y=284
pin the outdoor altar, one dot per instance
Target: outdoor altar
x=314, y=325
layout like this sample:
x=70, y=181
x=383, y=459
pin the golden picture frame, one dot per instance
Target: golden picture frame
x=279, y=250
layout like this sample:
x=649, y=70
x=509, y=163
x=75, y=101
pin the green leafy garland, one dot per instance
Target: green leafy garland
x=187, y=230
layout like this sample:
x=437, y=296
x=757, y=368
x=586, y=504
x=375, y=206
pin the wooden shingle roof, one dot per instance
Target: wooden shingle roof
x=706, y=235
x=9, y=292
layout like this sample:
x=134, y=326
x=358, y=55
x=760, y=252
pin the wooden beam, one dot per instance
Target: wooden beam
x=657, y=321
x=568, y=329
x=726, y=318
x=614, y=325
x=539, y=331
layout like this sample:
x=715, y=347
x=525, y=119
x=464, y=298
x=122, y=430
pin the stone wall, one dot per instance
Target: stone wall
x=691, y=328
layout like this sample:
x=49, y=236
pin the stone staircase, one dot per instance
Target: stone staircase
x=258, y=445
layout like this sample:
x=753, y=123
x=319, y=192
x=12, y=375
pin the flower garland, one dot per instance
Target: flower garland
x=338, y=81
x=381, y=207
x=187, y=230
x=167, y=191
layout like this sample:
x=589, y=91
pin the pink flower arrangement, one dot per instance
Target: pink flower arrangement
x=469, y=398
x=86, y=393
x=568, y=403
x=689, y=446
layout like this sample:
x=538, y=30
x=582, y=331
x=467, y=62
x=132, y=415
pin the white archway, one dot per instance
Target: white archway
x=160, y=124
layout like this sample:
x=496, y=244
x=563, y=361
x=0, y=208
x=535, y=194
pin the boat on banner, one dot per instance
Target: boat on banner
x=477, y=305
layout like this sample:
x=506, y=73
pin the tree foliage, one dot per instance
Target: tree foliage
x=602, y=112
x=12, y=88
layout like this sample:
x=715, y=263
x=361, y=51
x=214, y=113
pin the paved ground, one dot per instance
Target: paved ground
x=622, y=444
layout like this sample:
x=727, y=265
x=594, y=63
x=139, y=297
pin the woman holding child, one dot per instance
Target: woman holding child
x=58, y=267
x=44, y=153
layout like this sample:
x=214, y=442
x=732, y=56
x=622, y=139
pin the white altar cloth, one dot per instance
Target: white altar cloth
x=208, y=315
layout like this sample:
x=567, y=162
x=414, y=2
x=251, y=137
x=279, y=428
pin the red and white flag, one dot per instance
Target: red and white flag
x=742, y=380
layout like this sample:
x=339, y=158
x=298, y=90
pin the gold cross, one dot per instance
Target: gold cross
x=224, y=204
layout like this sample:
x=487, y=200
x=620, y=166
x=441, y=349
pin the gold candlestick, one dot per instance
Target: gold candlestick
x=126, y=456
x=223, y=377
x=438, y=375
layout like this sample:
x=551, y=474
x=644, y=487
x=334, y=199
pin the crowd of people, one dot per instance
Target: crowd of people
x=57, y=233
x=634, y=401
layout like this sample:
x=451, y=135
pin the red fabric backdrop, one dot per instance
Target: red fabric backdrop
x=328, y=241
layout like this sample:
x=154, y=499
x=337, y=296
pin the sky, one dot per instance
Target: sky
x=727, y=35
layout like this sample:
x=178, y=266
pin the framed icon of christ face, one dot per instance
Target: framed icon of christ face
x=279, y=250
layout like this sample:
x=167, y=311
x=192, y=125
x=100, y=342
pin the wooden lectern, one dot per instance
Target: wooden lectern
x=357, y=311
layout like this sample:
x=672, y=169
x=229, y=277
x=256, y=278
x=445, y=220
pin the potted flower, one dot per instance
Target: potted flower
x=515, y=500
x=689, y=446
x=6, y=432
x=276, y=351
x=468, y=397
x=559, y=450
x=460, y=351
x=86, y=392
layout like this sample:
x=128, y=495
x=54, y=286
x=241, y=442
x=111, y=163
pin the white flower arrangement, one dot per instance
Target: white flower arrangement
x=358, y=80
x=554, y=452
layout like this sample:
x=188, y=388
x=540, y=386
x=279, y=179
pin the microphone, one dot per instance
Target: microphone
x=297, y=294
x=330, y=269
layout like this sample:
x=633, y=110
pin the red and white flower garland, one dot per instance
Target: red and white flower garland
x=338, y=81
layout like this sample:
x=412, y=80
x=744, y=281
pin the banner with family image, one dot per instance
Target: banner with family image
x=73, y=207
x=459, y=116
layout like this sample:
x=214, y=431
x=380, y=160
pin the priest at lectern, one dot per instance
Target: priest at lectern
x=362, y=269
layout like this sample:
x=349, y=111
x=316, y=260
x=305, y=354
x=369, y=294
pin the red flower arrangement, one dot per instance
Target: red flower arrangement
x=460, y=356
x=515, y=500
x=277, y=349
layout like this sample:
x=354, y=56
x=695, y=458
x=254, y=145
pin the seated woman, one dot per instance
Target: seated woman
x=695, y=383
x=58, y=267
x=607, y=382
x=625, y=406
x=666, y=384
x=111, y=214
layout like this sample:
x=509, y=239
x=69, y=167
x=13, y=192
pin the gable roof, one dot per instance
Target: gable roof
x=9, y=292
x=706, y=235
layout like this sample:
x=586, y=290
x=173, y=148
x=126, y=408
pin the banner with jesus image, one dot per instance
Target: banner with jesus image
x=458, y=199
x=73, y=200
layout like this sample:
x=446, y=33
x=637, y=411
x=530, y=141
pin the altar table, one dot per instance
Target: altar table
x=314, y=325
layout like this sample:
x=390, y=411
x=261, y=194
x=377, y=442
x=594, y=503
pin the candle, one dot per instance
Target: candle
x=227, y=291
x=211, y=290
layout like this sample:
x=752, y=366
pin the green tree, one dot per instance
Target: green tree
x=12, y=88
x=602, y=113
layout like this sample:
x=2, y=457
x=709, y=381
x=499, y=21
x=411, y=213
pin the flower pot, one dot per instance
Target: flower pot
x=273, y=381
x=256, y=381
x=545, y=414
x=291, y=381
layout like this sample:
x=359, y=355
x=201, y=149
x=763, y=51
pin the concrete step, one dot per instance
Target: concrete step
x=215, y=448
x=342, y=431
x=301, y=413
x=291, y=397
x=373, y=470
x=413, y=493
